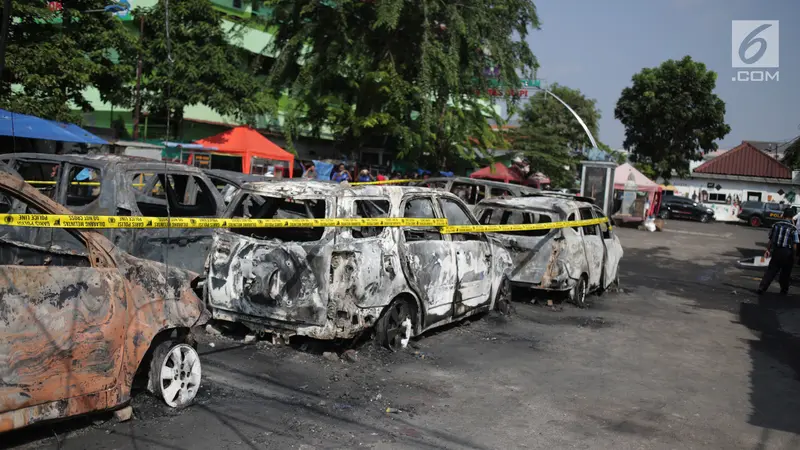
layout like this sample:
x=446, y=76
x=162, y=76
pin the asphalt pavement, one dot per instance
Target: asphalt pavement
x=685, y=355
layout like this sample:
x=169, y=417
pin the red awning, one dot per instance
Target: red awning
x=249, y=143
x=498, y=172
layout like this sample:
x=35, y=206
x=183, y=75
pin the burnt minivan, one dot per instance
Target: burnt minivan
x=473, y=190
x=330, y=283
x=572, y=260
x=128, y=186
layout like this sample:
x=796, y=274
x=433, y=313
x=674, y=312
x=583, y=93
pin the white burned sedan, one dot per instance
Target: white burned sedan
x=576, y=260
x=330, y=283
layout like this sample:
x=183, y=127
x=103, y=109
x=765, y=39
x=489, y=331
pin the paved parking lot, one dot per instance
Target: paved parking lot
x=685, y=356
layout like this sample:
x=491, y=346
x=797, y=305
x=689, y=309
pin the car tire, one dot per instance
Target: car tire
x=502, y=301
x=579, y=292
x=664, y=214
x=175, y=373
x=704, y=218
x=755, y=221
x=396, y=327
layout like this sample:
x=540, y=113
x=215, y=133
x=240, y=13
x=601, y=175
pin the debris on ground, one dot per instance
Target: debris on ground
x=393, y=411
x=330, y=356
x=213, y=331
x=350, y=355
x=249, y=338
x=125, y=414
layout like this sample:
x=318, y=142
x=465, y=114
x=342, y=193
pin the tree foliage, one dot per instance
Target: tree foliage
x=546, y=150
x=547, y=112
x=53, y=57
x=194, y=63
x=411, y=71
x=672, y=116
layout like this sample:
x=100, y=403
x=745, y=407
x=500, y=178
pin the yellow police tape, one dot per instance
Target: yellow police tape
x=363, y=183
x=83, y=221
x=69, y=221
x=520, y=227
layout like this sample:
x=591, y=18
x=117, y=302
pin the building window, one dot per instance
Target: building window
x=237, y=3
x=717, y=198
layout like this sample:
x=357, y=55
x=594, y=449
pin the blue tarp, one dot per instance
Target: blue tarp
x=31, y=127
x=446, y=174
x=323, y=170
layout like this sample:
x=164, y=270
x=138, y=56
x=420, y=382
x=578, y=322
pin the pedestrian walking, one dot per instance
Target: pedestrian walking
x=783, y=241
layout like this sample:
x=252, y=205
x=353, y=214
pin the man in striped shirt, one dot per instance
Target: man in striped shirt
x=783, y=241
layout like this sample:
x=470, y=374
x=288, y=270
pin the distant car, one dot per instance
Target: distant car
x=472, y=190
x=575, y=260
x=338, y=283
x=79, y=319
x=112, y=185
x=763, y=213
x=677, y=207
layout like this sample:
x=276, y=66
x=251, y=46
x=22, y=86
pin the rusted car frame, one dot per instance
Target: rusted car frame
x=573, y=260
x=78, y=317
x=329, y=283
x=129, y=186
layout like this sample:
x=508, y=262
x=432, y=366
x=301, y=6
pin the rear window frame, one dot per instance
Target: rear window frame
x=329, y=205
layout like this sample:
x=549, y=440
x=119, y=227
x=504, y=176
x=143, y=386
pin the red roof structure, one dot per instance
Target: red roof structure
x=497, y=172
x=747, y=161
x=249, y=143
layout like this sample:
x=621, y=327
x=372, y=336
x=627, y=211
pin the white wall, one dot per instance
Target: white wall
x=740, y=189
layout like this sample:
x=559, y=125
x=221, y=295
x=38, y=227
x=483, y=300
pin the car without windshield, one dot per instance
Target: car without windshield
x=472, y=190
x=129, y=186
x=333, y=282
x=79, y=318
x=574, y=260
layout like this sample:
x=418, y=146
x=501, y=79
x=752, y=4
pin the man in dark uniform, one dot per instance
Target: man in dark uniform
x=783, y=240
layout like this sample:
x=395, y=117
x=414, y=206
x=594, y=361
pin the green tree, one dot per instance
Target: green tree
x=53, y=57
x=547, y=112
x=618, y=157
x=407, y=75
x=194, y=64
x=672, y=116
x=546, y=150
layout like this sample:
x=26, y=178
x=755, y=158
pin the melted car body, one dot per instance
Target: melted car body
x=555, y=259
x=128, y=186
x=77, y=315
x=336, y=282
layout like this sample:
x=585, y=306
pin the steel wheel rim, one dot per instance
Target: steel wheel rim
x=398, y=333
x=180, y=376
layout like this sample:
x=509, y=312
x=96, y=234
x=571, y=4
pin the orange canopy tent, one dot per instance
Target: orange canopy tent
x=250, y=144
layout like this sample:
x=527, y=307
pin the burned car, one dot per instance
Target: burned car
x=574, y=260
x=329, y=283
x=129, y=186
x=79, y=319
x=228, y=182
x=473, y=190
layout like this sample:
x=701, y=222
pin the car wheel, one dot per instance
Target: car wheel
x=755, y=221
x=175, y=373
x=395, y=328
x=664, y=214
x=704, y=218
x=502, y=302
x=579, y=291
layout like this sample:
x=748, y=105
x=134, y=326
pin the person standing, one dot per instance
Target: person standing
x=341, y=174
x=783, y=241
x=311, y=172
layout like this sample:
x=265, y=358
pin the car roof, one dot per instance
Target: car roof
x=230, y=175
x=104, y=161
x=498, y=184
x=315, y=188
x=558, y=204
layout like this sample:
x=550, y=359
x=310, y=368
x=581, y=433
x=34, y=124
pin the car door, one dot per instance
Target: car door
x=613, y=250
x=473, y=259
x=593, y=247
x=62, y=317
x=428, y=261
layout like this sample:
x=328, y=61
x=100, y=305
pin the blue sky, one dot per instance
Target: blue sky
x=597, y=46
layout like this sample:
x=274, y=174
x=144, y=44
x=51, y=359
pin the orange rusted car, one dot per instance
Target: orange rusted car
x=80, y=318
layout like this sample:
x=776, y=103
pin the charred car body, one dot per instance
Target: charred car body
x=129, y=186
x=79, y=318
x=228, y=182
x=329, y=283
x=575, y=260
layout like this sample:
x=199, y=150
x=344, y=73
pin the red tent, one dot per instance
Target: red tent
x=250, y=144
x=498, y=172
